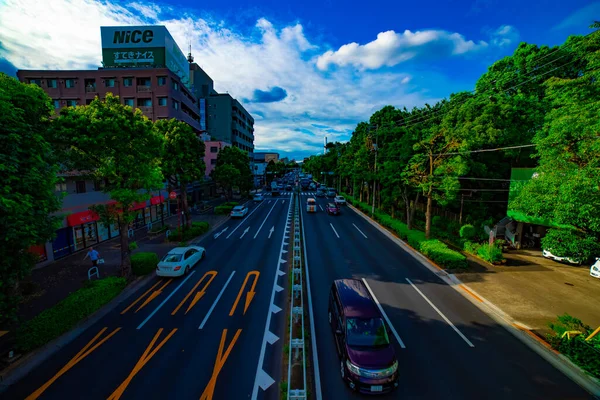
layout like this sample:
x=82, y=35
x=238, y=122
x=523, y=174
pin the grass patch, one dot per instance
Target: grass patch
x=61, y=318
x=143, y=263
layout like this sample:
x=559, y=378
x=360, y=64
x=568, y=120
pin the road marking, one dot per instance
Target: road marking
x=336, y=234
x=249, y=296
x=2, y=333
x=321, y=207
x=216, y=301
x=152, y=296
x=441, y=314
x=272, y=338
x=165, y=300
x=83, y=353
x=148, y=354
x=265, y=381
x=271, y=231
x=361, y=232
x=265, y=220
x=141, y=297
x=198, y=295
x=400, y=342
x=261, y=359
x=245, y=231
x=219, y=362
x=270, y=201
x=244, y=220
x=220, y=233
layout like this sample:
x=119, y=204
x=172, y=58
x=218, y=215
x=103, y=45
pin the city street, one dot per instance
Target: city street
x=189, y=337
x=451, y=351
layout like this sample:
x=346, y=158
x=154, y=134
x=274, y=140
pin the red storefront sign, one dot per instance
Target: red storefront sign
x=81, y=218
x=157, y=200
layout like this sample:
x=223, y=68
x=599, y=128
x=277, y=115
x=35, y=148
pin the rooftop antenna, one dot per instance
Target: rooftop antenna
x=190, y=58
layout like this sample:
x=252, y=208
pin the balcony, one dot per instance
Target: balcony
x=147, y=110
x=91, y=89
x=144, y=89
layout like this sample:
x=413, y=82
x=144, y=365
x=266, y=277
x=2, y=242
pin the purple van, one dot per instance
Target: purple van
x=368, y=362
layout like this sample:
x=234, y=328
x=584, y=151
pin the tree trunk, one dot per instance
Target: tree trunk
x=186, y=208
x=125, y=258
x=411, y=216
x=393, y=209
x=428, y=213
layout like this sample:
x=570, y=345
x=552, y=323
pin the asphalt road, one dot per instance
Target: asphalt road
x=158, y=344
x=477, y=360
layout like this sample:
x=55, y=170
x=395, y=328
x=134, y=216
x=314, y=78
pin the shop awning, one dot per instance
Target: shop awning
x=157, y=199
x=138, y=206
x=83, y=217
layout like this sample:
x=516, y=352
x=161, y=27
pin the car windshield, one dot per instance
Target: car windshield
x=366, y=332
x=171, y=258
x=331, y=205
x=340, y=198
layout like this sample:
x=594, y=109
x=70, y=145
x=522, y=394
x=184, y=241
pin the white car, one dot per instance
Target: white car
x=595, y=269
x=180, y=260
x=547, y=254
x=239, y=212
x=259, y=197
x=340, y=200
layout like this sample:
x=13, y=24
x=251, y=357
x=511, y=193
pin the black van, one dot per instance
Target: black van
x=368, y=362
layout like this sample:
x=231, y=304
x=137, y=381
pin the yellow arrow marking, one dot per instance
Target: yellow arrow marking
x=2, y=333
x=148, y=354
x=249, y=295
x=198, y=295
x=140, y=298
x=153, y=295
x=219, y=362
x=83, y=353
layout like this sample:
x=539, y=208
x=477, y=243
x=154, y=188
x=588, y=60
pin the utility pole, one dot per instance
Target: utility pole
x=462, y=199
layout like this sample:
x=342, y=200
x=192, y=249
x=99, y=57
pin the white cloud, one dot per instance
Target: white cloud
x=65, y=34
x=504, y=36
x=391, y=48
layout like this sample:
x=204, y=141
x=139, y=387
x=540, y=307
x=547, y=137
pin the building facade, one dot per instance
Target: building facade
x=228, y=121
x=211, y=150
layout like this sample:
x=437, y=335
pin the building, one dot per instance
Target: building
x=212, y=148
x=228, y=121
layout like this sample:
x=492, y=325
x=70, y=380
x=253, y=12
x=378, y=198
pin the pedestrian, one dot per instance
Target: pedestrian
x=93, y=255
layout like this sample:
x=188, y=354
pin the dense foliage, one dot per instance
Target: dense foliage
x=232, y=171
x=143, y=263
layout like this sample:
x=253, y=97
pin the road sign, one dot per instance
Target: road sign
x=172, y=195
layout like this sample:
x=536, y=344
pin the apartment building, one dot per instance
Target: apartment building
x=228, y=121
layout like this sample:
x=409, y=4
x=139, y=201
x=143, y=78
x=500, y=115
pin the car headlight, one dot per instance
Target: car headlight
x=368, y=373
x=353, y=368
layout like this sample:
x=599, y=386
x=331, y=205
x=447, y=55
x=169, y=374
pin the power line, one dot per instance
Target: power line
x=487, y=150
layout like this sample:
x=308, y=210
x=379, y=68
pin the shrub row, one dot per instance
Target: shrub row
x=143, y=263
x=61, y=318
x=224, y=209
x=434, y=249
x=197, y=229
x=490, y=253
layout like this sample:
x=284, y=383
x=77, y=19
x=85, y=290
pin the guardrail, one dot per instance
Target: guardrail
x=297, y=354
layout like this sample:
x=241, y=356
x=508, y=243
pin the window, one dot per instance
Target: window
x=60, y=187
x=128, y=102
x=36, y=82
x=80, y=186
x=213, y=161
x=98, y=186
x=127, y=82
x=143, y=81
x=176, y=104
x=109, y=82
x=162, y=80
x=162, y=101
x=71, y=103
x=56, y=103
x=52, y=83
x=175, y=85
x=69, y=83
x=368, y=332
x=144, y=102
x=214, y=149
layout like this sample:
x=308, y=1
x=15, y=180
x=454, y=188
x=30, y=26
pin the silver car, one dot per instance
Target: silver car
x=180, y=260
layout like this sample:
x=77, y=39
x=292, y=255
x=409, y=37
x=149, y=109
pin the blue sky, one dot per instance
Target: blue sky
x=304, y=69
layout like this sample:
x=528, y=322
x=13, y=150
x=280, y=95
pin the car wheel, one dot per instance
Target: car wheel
x=342, y=370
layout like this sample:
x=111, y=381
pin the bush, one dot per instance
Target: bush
x=143, y=263
x=133, y=246
x=467, y=232
x=61, y=318
x=415, y=238
x=490, y=253
x=222, y=210
x=441, y=254
x=471, y=247
x=568, y=243
x=197, y=229
x=230, y=203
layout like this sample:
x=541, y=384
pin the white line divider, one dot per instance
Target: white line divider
x=336, y=234
x=441, y=314
x=244, y=220
x=400, y=342
x=321, y=207
x=260, y=379
x=265, y=220
x=165, y=300
x=216, y=301
x=361, y=232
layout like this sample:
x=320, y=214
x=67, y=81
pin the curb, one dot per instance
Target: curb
x=520, y=331
x=32, y=360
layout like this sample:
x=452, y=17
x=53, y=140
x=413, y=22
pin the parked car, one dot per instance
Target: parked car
x=331, y=194
x=180, y=260
x=340, y=200
x=595, y=269
x=311, y=205
x=546, y=253
x=239, y=212
x=259, y=197
x=332, y=209
x=368, y=363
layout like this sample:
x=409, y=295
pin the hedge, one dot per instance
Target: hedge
x=224, y=209
x=441, y=254
x=230, y=203
x=143, y=263
x=198, y=228
x=61, y=318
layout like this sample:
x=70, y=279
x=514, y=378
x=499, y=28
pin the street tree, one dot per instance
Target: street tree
x=227, y=177
x=28, y=173
x=240, y=161
x=117, y=145
x=182, y=158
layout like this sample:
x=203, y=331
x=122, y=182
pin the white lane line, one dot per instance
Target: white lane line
x=165, y=300
x=400, y=342
x=441, y=314
x=361, y=232
x=216, y=301
x=321, y=207
x=244, y=220
x=259, y=380
x=313, y=335
x=336, y=234
x=265, y=220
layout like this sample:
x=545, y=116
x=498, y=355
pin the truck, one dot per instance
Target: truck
x=274, y=188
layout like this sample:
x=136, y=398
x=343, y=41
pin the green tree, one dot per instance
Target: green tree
x=274, y=169
x=28, y=175
x=237, y=159
x=183, y=158
x=116, y=144
x=227, y=177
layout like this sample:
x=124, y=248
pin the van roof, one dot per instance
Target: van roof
x=355, y=299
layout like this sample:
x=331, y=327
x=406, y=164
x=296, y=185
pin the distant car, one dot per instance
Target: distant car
x=340, y=200
x=547, y=254
x=331, y=194
x=311, y=205
x=595, y=269
x=332, y=209
x=180, y=260
x=288, y=187
x=239, y=212
x=320, y=193
x=259, y=197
